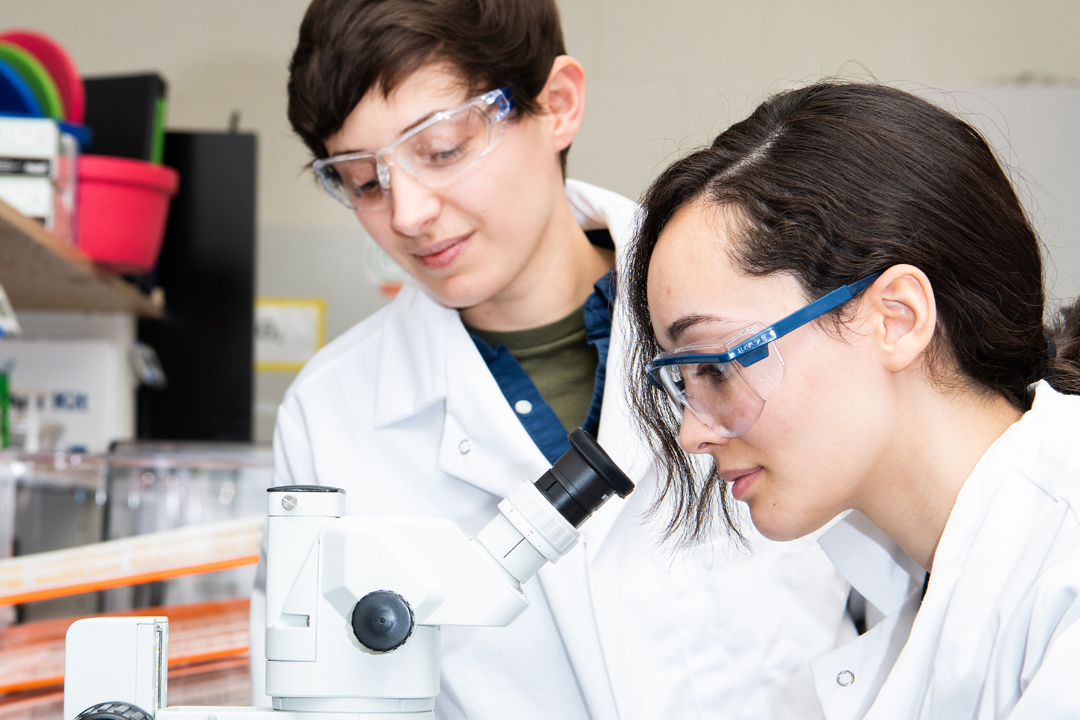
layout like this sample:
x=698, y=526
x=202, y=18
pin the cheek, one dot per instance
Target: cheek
x=822, y=377
x=815, y=437
x=377, y=225
x=508, y=192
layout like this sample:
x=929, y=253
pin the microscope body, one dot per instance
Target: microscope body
x=354, y=604
x=321, y=566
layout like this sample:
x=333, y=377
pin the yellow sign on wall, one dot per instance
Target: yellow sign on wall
x=288, y=331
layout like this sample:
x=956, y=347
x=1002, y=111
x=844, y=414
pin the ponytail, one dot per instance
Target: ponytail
x=1063, y=365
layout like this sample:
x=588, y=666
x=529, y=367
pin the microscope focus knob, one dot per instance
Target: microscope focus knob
x=382, y=621
x=114, y=711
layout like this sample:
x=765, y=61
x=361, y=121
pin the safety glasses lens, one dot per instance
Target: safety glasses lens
x=435, y=154
x=716, y=394
x=725, y=397
x=445, y=149
x=353, y=182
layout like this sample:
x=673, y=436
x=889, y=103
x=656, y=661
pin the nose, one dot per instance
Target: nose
x=695, y=436
x=413, y=207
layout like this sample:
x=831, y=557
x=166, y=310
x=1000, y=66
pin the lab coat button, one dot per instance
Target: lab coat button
x=523, y=407
x=845, y=678
x=464, y=447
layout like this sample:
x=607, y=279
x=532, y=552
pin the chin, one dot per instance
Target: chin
x=458, y=292
x=458, y=300
x=468, y=289
x=777, y=526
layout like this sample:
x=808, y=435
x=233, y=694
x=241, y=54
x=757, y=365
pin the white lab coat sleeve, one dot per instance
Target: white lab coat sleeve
x=1052, y=693
x=294, y=463
x=292, y=466
x=1049, y=691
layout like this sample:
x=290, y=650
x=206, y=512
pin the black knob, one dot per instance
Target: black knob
x=382, y=621
x=114, y=711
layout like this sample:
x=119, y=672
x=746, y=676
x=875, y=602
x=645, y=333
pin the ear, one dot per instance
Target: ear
x=902, y=315
x=563, y=97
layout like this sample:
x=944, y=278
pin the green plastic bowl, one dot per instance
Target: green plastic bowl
x=36, y=76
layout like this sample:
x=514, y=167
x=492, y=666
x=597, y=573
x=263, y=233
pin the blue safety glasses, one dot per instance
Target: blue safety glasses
x=725, y=381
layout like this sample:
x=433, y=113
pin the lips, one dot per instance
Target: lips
x=740, y=480
x=443, y=253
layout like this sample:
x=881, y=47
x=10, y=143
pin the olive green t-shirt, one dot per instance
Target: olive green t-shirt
x=558, y=359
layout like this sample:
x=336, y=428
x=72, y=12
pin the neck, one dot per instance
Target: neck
x=557, y=279
x=939, y=438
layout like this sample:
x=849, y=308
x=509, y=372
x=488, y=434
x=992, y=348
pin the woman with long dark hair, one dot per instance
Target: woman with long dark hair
x=839, y=306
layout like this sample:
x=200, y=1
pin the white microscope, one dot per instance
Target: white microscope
x=354, y=604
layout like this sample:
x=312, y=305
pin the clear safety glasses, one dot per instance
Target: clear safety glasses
x=725, y=381
x=435, y=152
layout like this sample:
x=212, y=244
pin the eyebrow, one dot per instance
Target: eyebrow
x=423, y=120
x=416, y=124
x=675, y=330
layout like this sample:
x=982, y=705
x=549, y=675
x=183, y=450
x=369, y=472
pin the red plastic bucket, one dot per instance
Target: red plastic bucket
x=121, y=211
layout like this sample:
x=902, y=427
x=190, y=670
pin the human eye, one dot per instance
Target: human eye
x=445, y=157
x=448, y=142
x=359, y=179
x=366, y=190
x=443, y=150
x=710, y=374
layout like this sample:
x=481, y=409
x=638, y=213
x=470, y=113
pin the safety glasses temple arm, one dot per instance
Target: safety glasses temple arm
x=757, y=347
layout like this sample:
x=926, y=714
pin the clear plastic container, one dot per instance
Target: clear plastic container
x=63, y=500
x=7, y=529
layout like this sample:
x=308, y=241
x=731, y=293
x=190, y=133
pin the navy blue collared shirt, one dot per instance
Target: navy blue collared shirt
x=541, y=422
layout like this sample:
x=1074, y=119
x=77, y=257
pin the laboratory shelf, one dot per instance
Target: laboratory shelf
x=38, y=271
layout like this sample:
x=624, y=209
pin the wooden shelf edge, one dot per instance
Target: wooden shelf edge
x=41, y=272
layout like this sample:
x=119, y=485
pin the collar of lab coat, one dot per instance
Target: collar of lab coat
x=871, y=562
x=1022, y=445
x=427, y=358
x=904, y=655
x=883, y=573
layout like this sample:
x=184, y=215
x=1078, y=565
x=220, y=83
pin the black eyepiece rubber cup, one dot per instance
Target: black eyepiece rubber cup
x=382, y=621
x=583, y=479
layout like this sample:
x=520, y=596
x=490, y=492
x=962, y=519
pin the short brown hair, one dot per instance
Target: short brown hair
x=349, y=47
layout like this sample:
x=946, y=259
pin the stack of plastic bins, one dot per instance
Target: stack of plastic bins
x=68, y=500
x=63, y=501
x=162, y=486
x=58, y=503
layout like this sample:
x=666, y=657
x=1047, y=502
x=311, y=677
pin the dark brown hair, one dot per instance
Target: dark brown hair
x=833, y=182
x=348, y=48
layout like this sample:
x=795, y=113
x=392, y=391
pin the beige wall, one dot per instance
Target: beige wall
x=663, y=77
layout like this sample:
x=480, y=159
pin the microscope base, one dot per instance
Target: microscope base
x=254, y=713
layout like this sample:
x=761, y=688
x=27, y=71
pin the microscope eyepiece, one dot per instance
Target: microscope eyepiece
x=583, y=479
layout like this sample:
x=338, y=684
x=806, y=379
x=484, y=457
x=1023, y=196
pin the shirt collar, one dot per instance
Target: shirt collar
x=876, y=566
x=413, y=358
x=871, y=562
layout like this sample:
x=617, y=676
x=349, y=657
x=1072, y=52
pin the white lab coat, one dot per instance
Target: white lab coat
x=998, y=632
x=403, y=413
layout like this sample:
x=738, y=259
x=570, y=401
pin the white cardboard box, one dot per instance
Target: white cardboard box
x=32, y=196
x=84, y=384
